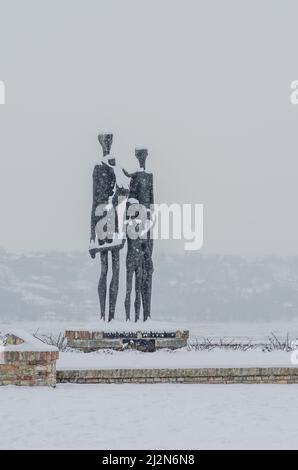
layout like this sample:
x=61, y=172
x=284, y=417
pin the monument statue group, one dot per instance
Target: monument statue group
x=122, y=211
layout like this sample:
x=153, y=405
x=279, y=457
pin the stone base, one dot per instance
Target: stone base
x=147, y=341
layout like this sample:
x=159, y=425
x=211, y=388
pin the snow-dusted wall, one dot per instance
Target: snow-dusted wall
x=24, y=360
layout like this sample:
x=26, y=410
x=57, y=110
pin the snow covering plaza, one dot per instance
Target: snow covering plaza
x=149, y=416
x=159, y=416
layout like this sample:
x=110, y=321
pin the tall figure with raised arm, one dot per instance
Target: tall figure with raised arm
x=109, y=183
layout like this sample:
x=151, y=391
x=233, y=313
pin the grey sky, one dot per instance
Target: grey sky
x=205, y=84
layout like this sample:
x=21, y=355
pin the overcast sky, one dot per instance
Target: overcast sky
x=204, y=84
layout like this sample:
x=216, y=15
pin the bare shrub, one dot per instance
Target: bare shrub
x=53, y=340
x=273, y=344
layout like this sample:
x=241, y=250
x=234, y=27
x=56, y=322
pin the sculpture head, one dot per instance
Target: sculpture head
x=141, y=153
x=105, y=139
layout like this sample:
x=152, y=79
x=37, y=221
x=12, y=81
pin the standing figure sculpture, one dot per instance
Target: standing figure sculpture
x=139, y=250
x=109, y=183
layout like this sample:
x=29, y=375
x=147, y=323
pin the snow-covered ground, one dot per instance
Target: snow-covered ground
x=234, y=332
x=175, y=359
x=160, y=416
x=163, y=416
x=255, y=331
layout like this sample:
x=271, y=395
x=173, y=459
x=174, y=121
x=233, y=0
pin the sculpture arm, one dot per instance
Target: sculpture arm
x=129, y=175
x=151, y=191
x=94, y=202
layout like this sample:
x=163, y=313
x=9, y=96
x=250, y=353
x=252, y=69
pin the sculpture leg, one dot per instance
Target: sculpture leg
x=147, y=282
x=102, y=284
x=114, y=283
x=129, y=276
x=138, y=289
x=148, y=291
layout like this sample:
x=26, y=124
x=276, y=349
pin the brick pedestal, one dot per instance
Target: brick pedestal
x=25, y=363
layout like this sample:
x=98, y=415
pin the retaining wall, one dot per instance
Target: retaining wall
x=263, y=375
